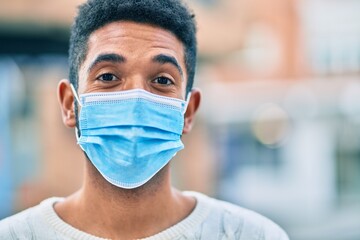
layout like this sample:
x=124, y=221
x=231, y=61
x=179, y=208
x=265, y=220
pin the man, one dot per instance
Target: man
x=130, y=98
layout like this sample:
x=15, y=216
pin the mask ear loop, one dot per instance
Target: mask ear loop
x=78, y=100
x=75, y=94
x=187, y=102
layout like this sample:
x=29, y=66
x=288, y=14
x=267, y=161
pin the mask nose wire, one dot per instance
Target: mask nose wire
x=75, y=94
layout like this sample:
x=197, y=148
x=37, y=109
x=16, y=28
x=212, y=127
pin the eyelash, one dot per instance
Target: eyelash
x=169, y=81
x=107, y=74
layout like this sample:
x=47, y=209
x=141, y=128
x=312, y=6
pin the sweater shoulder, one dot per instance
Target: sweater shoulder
x=18, y=225
x=252, y=222
x=237, y=222
x=27, y=224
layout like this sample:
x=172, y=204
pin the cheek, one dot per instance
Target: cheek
x=82, y=80
x=183, y=89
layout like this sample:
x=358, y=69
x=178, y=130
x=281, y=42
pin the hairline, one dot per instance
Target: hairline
x=83, y=54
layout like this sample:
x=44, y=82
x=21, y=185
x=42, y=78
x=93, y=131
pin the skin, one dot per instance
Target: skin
x=99, y=208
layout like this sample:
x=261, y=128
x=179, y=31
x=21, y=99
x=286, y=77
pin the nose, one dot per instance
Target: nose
x=134, y=82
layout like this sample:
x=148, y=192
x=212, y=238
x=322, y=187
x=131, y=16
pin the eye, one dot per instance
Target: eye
x=107, y=77
x=163, y=81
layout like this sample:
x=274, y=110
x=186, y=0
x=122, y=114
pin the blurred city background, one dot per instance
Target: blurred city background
x=278, y=129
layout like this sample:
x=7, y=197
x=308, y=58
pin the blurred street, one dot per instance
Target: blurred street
x=279, y=124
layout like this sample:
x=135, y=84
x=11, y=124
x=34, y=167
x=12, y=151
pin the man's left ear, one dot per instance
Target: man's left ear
x=192, y=108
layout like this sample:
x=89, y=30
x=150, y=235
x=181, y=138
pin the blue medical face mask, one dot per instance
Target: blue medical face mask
x=130, y=135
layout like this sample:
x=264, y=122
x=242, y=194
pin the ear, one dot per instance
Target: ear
x=191, y=110
x=66, y=100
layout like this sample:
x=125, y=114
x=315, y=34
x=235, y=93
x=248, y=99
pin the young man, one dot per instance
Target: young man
x=130, y=98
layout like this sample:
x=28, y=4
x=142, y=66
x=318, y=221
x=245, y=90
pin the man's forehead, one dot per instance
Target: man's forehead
x=133, y=30
x=127, y=38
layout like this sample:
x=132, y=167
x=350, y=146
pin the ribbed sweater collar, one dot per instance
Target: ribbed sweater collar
x=189, y=224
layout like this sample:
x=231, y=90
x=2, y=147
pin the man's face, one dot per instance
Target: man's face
x=128, y=55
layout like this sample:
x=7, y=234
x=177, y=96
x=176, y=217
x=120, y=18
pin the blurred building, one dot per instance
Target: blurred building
x=279, y=122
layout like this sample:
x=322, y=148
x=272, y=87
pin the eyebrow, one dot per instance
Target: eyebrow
x=164, y=59
x=109, y=57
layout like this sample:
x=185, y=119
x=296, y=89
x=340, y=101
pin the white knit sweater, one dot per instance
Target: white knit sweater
x=211, y=219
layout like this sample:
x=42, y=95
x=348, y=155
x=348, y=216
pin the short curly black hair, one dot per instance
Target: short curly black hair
x=171, y=15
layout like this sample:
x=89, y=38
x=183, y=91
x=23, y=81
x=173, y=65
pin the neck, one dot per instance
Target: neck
x=104, y=210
